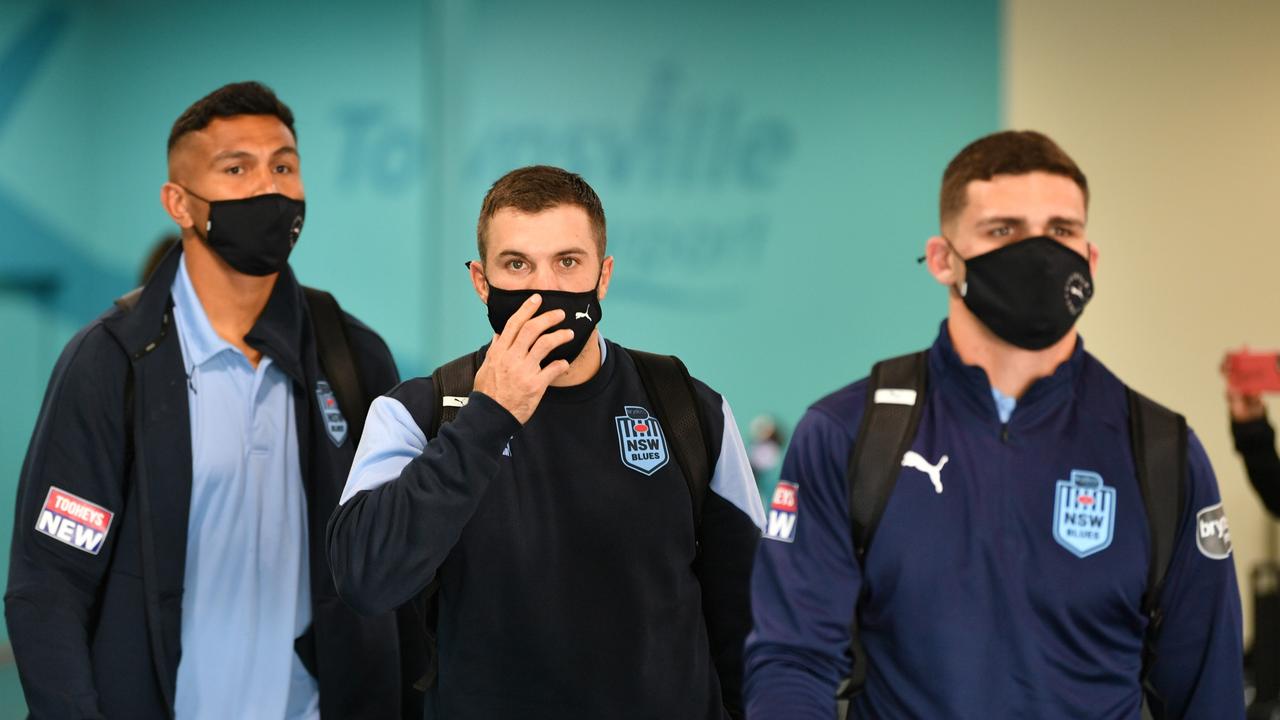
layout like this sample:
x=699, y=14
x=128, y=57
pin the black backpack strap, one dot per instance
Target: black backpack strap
x=895, y=402
x=453, y=382
x=675, y=404
x=337, y=359
x=1159, y=439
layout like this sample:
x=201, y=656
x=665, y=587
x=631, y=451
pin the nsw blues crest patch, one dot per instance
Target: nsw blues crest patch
x=1084, y=514
x=334, y=422
x=640, y=440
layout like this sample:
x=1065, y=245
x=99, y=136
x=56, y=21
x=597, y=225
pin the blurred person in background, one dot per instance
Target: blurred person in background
x=167, y=557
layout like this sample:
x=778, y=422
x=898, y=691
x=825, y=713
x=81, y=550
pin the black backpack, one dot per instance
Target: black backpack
x=675, y=403
x=895, y=401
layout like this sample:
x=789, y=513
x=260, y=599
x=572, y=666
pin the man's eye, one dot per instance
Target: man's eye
x=283, y=169
x=568, y=262
x=1063, y=231
x=515, y=265
x=234, y=170
x=1001, y=231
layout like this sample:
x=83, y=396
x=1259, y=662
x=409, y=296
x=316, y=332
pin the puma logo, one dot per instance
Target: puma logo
x=914, y=461
x=583, y=315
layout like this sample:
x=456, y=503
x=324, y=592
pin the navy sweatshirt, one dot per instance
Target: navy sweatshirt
x=1007, y=573
x=571, y=584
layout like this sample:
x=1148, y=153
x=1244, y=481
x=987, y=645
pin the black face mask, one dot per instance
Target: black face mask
x=581, y=315
x=256, y=234
x=1029, y=293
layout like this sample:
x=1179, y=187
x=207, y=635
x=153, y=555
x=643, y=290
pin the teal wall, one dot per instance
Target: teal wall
x=769, y=170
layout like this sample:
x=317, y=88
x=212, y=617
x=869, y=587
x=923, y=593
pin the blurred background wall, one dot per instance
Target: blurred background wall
x=769, y=172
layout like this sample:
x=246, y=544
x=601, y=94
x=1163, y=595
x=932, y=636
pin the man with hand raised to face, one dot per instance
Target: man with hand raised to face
x=577, y=519
x=168, y=554
x=997, y=527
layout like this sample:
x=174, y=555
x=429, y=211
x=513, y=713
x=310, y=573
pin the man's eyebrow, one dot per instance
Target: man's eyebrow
x=1063, y=220
x=232, y=155
x=513, y=254
x=286, y=150
x=1004, y=220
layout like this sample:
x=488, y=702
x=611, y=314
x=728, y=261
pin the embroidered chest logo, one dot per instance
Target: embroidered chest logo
x=640, y=440
x=916, y=461
x=1084, y=514
x=782, y=512
x=334, y=423
x=74, y=521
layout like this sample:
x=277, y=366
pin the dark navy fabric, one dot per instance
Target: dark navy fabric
x=572, y=582
x=99, y=635
x=971, y=608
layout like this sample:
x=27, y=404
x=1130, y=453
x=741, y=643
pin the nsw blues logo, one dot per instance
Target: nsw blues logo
x=1084, y=514
x=334, y=423
x=640, y=440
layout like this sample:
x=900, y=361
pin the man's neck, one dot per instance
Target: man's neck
x=1009, y=368
x=232, y=301
x=585, y=366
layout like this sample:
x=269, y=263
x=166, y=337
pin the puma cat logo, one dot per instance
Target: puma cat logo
x=915, y=461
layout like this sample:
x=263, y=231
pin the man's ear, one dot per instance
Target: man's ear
x=479, y=281
x=943, y=263
x=606, y=274
x=174, y=200
x=1094, y=256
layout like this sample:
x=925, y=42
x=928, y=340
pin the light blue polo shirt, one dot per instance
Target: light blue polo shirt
x=247, y=585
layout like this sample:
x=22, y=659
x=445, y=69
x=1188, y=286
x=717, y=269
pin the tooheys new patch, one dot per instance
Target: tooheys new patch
x=74, y=521
x=782, y=512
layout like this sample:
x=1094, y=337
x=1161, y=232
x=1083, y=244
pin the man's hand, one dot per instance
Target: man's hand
x=1244, y=407
x=512, y=372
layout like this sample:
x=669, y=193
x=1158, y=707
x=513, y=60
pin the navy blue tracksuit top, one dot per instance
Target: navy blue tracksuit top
x=981, y=599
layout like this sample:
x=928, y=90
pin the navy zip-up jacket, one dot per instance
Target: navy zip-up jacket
x=1007, y=573
x=95, y=622
x=572, y=581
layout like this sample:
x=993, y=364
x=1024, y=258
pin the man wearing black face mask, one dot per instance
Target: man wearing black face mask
x=167, y=557
x=577, y=563
x=1046, y=544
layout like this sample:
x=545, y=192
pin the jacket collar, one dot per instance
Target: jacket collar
x=279, y=332
x=975, y=387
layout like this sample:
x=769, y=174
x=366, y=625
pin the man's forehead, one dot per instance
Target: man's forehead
x=1030, y=195
x=556, y=230
x=238, y=132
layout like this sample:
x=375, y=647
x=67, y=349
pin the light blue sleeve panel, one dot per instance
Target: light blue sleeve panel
x=390, y=441
x=733, y=479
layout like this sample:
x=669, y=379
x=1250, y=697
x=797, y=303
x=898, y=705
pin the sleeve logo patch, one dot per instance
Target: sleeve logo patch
x=1213, y=535
x=74, y=521
x=781, y=523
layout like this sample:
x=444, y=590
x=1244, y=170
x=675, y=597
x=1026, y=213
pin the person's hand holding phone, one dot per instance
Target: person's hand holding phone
x=1249, y=375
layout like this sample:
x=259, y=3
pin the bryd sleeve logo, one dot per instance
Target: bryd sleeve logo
x=334, y=423
x=640, y=440
x=1213, y=536
x=782, y=512
x=1084, y=514
x=74, y=521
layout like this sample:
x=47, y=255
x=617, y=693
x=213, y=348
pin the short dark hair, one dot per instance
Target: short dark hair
x=536, y=188
x=242, y=98
x=1012, y=152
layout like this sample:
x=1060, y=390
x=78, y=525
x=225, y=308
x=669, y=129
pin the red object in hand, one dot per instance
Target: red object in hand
x=1253, y=373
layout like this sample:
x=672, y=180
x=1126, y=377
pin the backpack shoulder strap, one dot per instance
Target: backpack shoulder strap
x=1159, y=439
x=337, y=359
x=453, y=382
x=675, y=403
x=895, y=401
